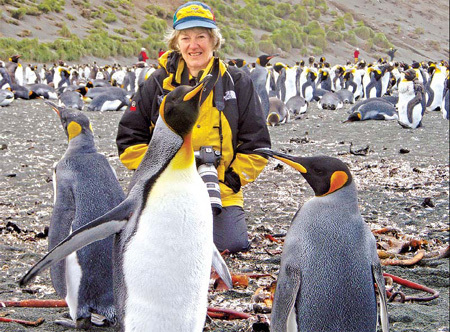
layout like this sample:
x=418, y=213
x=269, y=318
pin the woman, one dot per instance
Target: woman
x=230, y=121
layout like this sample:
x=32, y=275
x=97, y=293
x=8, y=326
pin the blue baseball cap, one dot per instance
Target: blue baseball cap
x=194, y=14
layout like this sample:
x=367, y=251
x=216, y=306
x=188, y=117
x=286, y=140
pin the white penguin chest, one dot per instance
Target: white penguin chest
x=167, y=262
x=405, y=94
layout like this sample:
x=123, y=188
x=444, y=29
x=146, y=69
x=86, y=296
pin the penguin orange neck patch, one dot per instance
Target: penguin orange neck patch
x=337, y=181
x=73, y=129
x=185, y=156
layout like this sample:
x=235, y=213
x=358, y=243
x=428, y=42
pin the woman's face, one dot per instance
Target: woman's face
x=196, y=47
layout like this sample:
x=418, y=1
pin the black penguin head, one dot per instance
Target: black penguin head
x=15, y=58
x=348, y=75
x=237, y=62
x=312, y=75
x=74, y=122
x=278, y=67
x=324, y=174
x=263, y=60
x=410, y=74
x=180, y=108
x=355, y=116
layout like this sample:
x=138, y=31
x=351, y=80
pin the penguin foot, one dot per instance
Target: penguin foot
x=100, y=320
x=83, y=323
x=66, y=322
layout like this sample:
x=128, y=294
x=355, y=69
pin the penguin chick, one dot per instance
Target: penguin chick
x=329, y=262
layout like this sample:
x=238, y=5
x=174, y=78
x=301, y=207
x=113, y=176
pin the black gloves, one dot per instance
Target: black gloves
x=232, y=180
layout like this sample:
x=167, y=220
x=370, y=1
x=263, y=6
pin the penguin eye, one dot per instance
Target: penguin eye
x=318, y=171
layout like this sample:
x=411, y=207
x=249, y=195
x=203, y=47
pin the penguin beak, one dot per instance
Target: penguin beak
x=196, y=89
x=53, y=106
x=287, y=159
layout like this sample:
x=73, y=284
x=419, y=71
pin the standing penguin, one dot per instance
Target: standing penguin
x=372, y=83
x=445, y=101
x=329, y=262
x=164, y=246
x=5, y=79
x=324, y=80
x=308, y=83
x=435, y=87
x=15, y=70
x=411, y=100
x=86, y=187
x=260, y=76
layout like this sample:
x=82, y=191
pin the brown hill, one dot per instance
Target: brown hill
x=418, y=29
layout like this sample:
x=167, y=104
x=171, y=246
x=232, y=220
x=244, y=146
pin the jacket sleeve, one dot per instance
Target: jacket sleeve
x=252, y=131
x=137, y=122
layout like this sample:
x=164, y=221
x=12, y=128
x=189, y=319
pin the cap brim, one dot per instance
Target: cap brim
x=195, y=24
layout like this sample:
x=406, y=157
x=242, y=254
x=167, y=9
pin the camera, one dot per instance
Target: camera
x=207, y=159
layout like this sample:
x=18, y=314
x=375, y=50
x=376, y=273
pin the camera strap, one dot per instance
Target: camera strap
x=216, y=84
x=219, y=101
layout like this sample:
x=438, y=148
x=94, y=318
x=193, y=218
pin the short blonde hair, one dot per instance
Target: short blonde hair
x=172, y=38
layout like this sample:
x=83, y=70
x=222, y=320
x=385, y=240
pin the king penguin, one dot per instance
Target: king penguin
x=15, y=70
x=329, y=262
x=164, y=243
x=278, y=112
x=260, y=76
x=446, y=101
x=436, y=87
x=308, y=83
x=6, y=97
x=411, y=100
x=85, y=187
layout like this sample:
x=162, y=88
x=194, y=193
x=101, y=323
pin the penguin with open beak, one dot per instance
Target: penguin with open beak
x=329, y=262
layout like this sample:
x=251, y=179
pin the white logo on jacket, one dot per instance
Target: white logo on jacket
x=230, y=94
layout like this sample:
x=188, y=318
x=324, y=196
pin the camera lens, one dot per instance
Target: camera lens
x=208, y=173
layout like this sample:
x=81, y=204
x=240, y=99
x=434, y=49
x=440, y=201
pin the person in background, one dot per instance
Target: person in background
x=143, y=55
x=356, y=55
x=391, y=53
x=231, y=119
x=160, y=52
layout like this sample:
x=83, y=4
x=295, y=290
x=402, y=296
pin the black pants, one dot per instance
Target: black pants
x=230, y=229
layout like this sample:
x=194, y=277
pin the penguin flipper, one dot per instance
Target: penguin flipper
x=108, y=224
x=288, y=286
x=379, y=279
x=221, y=268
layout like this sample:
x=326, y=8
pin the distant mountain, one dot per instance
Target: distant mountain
x=115, y=30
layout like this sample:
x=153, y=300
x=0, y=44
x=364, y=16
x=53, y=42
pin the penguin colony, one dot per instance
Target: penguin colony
x=365, y=84
x=89, y=87
x=381, y=91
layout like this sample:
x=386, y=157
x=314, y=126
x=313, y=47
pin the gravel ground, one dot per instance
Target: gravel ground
x=401, y=169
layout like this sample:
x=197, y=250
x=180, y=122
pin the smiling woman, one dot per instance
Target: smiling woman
x=196, y=45
x=230, y=125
